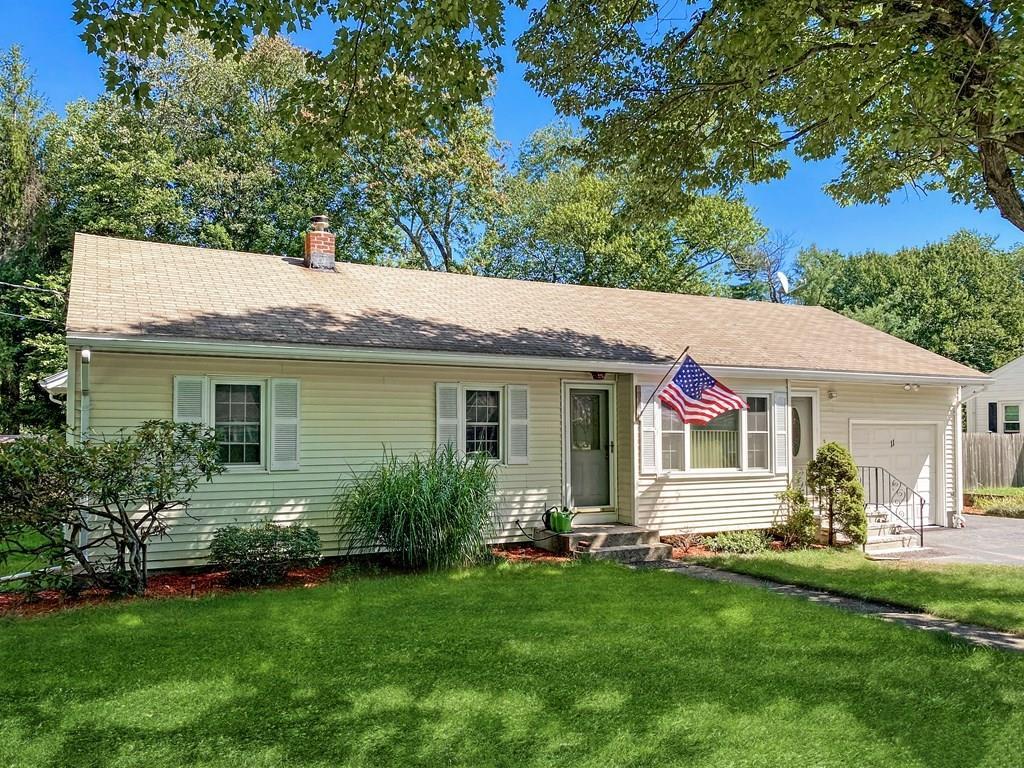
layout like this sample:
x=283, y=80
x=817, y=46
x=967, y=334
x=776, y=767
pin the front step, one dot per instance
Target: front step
x=606, y=541
x=639, y=553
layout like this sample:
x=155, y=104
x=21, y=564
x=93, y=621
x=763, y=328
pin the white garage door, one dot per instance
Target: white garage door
x=906, y=450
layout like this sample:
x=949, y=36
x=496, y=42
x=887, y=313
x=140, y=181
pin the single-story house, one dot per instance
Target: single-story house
x=999, y=407
x=310, y=369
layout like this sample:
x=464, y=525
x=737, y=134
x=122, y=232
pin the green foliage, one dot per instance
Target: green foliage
x=962, y=298
x=264, y=553
x=98, y=503
x=434, y=512
x=392, y=63
x=832, y=477
x=737, y=542
x=905, y=93
x=798, y=527
x=1001, y=506
x=561, y=222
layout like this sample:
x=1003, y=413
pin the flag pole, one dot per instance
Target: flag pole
x=660, y=384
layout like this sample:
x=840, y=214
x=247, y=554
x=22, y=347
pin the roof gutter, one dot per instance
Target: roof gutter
x=287, y=351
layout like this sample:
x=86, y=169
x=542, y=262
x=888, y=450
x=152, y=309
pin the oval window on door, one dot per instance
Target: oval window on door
x=797, y=432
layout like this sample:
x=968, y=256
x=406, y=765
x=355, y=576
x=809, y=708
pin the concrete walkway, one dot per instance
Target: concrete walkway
x=985, y=540
x=971, y=633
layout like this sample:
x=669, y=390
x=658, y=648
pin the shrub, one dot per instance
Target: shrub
x=1001, y=506
x=264, y=553
x=798, y=527
x=93, y=506
x=424, y=513
x=832, y=477
x=737, y=542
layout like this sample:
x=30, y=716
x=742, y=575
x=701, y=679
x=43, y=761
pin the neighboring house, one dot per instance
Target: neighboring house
x=310, y=374
x=1000, y=406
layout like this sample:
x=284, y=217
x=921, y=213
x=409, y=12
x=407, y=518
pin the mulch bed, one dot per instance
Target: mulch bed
x=161, y=585
x=527, y=553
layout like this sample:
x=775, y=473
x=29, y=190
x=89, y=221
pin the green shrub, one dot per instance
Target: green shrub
x=798, y=527
x=264, y=553
x=1001, y=506
x=424, y=513
x=832, y=477
x=737, y=542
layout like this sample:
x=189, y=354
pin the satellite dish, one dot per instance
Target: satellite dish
x=783, y=281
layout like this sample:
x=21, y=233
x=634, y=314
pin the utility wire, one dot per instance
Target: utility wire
x=32, y=288
x=28, y=317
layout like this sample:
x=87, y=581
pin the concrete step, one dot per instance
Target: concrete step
x=637, y=553
x=587, y=538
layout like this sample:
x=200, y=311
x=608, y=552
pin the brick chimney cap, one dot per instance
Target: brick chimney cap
x=319, y=223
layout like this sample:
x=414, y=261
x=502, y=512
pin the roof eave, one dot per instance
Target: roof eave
x=286, y=350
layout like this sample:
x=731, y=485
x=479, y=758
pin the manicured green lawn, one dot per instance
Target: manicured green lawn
x=581, y=665
x=989, y=595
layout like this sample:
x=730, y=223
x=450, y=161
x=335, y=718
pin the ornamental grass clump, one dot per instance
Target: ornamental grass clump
x=424, y=513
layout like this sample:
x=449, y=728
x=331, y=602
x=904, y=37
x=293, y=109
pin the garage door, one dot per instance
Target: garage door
x=906, y=450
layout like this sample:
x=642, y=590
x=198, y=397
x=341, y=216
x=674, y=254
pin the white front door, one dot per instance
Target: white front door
x=589, y=440
x=907, y=451
x=801, y=432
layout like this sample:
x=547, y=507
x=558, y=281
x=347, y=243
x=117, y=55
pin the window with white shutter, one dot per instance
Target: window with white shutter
x=284, y=424
x=190, y=399
x=781, y=421
x=447, y=418
x=518, y=397
x=648, y=431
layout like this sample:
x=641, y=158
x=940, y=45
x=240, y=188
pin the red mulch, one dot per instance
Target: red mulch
x=161, y=585
x=683, y=547
x=527, y=553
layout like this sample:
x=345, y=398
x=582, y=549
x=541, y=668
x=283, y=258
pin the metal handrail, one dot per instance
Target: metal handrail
x=883, y=490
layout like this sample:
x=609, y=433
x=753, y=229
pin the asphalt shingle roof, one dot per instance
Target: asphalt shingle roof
x=130, y=288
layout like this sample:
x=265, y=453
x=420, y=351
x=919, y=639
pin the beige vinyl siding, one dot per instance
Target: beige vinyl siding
x=889, y=404
x=711, y=502
x=349, y=413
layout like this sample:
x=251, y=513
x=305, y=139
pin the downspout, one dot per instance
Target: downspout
x=86, y=400
x=958, y=488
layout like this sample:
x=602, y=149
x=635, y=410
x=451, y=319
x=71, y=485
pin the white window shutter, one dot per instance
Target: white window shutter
x=190, y=399
x=648, y=431
x=781, y=419
x=447, y=419
x=518, y=424
x=284, y=424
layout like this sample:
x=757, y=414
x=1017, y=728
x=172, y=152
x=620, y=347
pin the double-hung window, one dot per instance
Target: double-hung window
x=673, y=441
x=483, y=422
x=758, y=437
x=238, y=422
x=1011, y=418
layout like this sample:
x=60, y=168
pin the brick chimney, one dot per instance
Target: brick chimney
x=319, y=251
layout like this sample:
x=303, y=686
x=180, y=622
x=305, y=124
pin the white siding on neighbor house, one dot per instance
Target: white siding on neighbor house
x=1007, y=386
x=349, y=413
x=891, y=404
x=719, y=502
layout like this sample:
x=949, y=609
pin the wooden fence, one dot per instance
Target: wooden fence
x=993, y=460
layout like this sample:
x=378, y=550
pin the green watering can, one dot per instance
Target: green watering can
x=558, y=519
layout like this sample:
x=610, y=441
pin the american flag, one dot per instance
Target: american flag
x=697, y=396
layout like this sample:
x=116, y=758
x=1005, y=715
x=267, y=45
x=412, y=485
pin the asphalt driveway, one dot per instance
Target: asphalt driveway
x=988, y=540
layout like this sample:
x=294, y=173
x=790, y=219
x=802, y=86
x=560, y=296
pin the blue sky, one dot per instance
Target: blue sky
x=794, y=206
